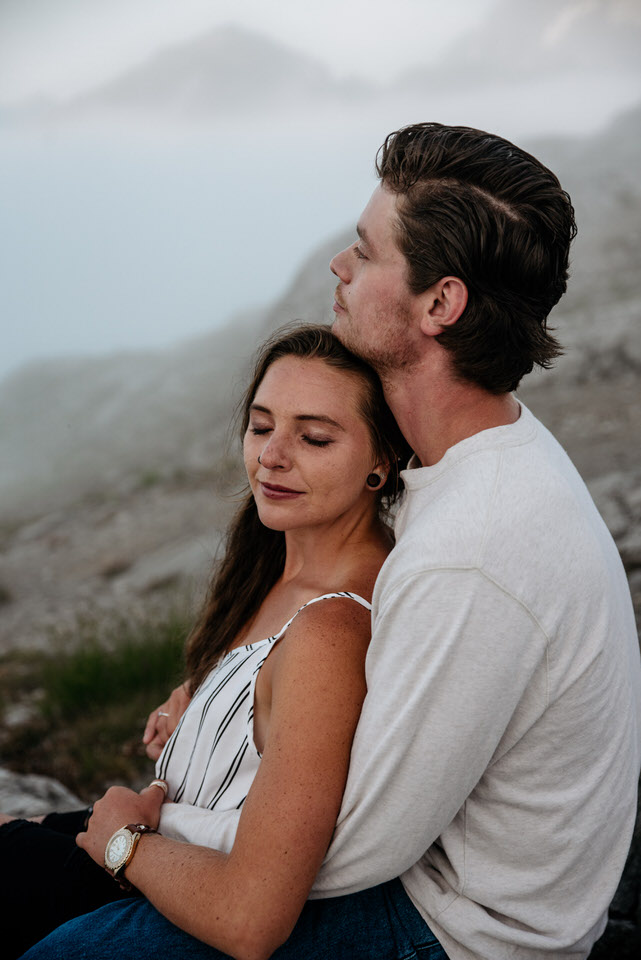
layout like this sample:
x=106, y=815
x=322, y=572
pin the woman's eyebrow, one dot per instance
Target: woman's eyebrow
x=319, y=417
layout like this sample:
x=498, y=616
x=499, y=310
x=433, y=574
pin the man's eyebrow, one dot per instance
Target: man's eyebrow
x=362, y=232
x=318, y=417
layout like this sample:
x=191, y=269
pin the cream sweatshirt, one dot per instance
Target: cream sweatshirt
x=496, y=761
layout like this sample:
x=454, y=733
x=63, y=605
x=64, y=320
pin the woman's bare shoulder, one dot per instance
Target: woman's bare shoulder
x=335, y=624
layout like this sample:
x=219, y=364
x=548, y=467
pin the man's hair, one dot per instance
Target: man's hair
x=474, y=206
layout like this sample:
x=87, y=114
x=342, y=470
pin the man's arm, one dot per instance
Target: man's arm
x=450, y=658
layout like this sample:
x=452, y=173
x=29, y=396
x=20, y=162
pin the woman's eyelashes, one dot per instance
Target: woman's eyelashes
x=305, y=437
x=316, y=441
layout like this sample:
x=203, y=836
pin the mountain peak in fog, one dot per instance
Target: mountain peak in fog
x=543, y=37
x=76, y=417
x=564, y=36
x=228, y=70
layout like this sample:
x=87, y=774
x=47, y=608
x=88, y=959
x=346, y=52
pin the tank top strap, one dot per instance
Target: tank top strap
x=325, y=596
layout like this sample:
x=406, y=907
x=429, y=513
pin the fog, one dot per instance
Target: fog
x=149, y=205
x=204, y=171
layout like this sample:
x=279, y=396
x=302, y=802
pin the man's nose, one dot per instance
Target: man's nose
x=339, y=265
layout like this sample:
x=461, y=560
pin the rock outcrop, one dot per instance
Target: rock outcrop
x=27, y=795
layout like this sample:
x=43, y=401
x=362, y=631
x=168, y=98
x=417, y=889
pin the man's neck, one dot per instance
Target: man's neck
x=435, y=412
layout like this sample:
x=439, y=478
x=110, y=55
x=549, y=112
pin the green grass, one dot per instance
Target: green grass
x=90, y=698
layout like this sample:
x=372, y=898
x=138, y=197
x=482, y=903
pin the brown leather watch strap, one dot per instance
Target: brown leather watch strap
x=141, y=829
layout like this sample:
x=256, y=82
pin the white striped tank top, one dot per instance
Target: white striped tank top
x=211, y=759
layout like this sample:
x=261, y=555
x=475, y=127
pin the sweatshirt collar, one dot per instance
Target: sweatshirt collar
x=509, y=434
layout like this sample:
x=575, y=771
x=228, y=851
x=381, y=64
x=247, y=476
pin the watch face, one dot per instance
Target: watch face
x=117, y=849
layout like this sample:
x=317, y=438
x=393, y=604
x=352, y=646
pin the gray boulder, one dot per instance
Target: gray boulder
x=28, y=795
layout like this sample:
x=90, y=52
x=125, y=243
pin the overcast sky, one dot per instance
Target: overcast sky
x=112, y=239
x=60, y=47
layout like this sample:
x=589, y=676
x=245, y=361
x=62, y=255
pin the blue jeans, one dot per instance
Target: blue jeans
x=376, y=924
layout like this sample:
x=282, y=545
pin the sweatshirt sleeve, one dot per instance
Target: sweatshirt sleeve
x=451, y=656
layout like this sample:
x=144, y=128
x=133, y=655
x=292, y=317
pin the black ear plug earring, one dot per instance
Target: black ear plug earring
x=373, y=480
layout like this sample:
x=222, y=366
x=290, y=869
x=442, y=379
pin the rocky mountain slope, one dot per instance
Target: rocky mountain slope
x=541, y=37
x=109, y=465
x=111, y=469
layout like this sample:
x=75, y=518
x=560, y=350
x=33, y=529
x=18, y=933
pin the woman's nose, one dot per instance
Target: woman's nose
x=274, y=455
x=339, y=265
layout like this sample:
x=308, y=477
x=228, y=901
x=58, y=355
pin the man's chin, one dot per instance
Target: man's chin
x=341, y=330
x=384, y=363
x=344, y=332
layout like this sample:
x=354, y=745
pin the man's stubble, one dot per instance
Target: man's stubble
x=390, y=350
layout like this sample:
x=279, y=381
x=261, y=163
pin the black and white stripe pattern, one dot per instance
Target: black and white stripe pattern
x=211, y=759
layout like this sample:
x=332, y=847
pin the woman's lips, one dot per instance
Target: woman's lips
x=275, y=492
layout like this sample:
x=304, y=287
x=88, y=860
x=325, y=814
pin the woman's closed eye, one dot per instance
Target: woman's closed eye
x=305, y=437
x=316, y=441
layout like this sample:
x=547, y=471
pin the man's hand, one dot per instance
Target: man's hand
x=116, y=809
x=162, y=722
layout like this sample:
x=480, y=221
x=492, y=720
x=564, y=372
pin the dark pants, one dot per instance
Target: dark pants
x=45, y=879
x=376, y=924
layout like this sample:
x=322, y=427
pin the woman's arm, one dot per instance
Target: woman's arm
x=246, y=903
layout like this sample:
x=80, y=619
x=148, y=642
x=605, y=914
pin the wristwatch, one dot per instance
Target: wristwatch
x=121, y=848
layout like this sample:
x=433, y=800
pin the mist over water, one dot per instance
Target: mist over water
x=118, y=242
x=124, y=230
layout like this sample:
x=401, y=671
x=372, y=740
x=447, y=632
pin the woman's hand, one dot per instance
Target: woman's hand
x=163, y=721
x=116, y=809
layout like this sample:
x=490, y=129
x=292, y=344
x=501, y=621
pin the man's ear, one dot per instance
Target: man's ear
x=444, y=302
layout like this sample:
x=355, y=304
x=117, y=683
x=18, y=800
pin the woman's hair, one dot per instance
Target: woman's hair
x=255, y=555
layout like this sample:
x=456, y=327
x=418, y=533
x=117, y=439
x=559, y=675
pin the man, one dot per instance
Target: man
x=498, y=750
x=495, y=763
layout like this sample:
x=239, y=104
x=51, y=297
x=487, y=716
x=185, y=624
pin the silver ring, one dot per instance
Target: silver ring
x=160, y=783
x=259, y=460
x=161, y=713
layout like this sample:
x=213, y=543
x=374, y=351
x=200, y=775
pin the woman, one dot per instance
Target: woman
x=284, y=633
